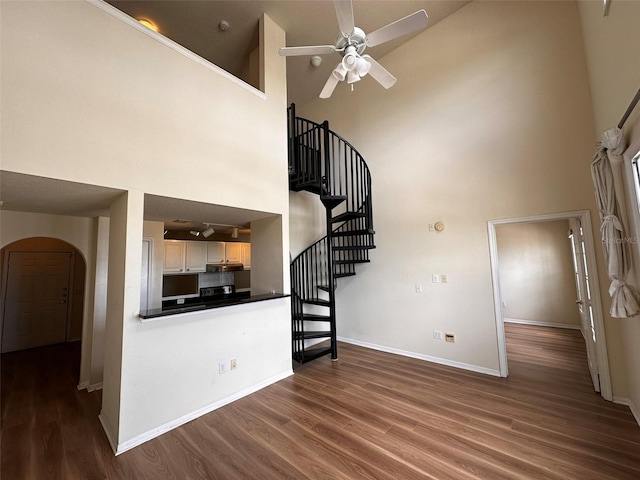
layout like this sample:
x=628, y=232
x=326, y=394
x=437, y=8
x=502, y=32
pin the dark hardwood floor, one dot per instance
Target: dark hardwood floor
x=369, y=415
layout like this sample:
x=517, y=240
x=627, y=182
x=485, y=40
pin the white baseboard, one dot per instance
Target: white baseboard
x=428, y=358
x=625, y=401
x=156, y=432
x=542, y=324
x=90, y=387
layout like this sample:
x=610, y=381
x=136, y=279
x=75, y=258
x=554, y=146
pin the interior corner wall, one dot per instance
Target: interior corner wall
x=613, y=47
x=537, y=278
x=491, y=118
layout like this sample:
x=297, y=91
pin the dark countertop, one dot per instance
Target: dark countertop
x=146, y=315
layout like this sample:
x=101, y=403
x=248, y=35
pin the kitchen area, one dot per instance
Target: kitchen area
x=191, y=265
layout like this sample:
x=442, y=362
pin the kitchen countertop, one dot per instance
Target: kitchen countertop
x=155, y=313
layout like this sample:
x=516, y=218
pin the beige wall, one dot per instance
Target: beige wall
x=537, y=279
x=491, y=118
x=613, y=47
x=95, y=100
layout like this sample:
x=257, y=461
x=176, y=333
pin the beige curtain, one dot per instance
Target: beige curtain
x=615, y=241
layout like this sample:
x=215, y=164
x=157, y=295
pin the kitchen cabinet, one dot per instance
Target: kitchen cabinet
x=246, y=255
x=173, y=256
x=183, y=257
x=215, y=252
x=226, y=252
x=233, y=252
x=196, y=257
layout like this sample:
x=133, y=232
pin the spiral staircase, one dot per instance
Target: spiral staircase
x=323, y=163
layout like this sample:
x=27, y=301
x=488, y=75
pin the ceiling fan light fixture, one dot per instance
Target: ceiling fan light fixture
x=350, y=59
x=353, y=77
x=363, y=67
x=340, y=72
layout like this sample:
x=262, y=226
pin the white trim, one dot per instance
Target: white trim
x=542, y=324
x=123, y=17
x=156, y=432
x=94, y=387
x=83, y=385
x=625, y=401
x=598, y=319
x=420, y=356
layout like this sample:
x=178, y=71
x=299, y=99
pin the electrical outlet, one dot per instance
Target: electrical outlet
x=222, y=367
x=233, y=364
x=450, y=337
x=443, y=278
x=437, y=335
x=418, y=288
x=435, y=278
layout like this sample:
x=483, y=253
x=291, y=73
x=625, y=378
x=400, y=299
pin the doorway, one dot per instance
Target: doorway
x=42, y=293
x=584, y=261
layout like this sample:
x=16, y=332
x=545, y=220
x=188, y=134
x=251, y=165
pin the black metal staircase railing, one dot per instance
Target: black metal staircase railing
x=322, y=162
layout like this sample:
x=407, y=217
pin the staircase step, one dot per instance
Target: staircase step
x=311, y=354
x=347, y=262
x=318, y=301
x=343, y=217
x=332, y=201
x=340, y=275
x=313, y=186
x=324, y=288
x=352, y=233
x=353, y=247
x=306, y=335
x=312, y=317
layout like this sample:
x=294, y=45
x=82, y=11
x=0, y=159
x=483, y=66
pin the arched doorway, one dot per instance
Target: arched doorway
x=43, y=293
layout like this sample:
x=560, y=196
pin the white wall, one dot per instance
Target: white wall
x=95, y=100
x=537, y=278
x=613, y=47
x=491, y=118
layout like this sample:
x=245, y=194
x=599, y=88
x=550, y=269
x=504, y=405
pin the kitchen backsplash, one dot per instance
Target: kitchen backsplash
x=215, y=279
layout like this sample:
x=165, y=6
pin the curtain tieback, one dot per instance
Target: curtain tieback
x=611, y=219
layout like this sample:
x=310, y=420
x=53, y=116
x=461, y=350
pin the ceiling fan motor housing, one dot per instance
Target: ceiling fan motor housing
x=356, y=39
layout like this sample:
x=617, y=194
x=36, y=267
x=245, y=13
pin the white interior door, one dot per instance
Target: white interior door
x=583, y=301
x=37, y=300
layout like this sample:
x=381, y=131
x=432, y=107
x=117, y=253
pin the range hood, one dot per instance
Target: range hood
x=224, y=267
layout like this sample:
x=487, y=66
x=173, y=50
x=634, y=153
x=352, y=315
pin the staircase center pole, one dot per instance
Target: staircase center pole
x=327, y=179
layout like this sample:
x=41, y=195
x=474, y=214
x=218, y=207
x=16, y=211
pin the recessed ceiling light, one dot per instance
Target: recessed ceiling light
x=148, y=23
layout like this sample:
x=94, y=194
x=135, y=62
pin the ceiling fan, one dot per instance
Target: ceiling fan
x=351, y=44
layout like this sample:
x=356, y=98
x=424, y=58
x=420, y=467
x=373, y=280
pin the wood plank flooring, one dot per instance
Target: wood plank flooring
x=369, y=415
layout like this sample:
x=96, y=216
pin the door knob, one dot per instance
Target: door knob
x=62, y=301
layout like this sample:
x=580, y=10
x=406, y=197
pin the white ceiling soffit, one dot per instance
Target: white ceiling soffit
x=194, y=25
x=167, y=210
x=29, y=193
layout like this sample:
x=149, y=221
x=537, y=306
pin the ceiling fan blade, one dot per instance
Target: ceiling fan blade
x=344, y=12
x=311, y=50
x=401, y=27
x=329, y=87
x=381, y=74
